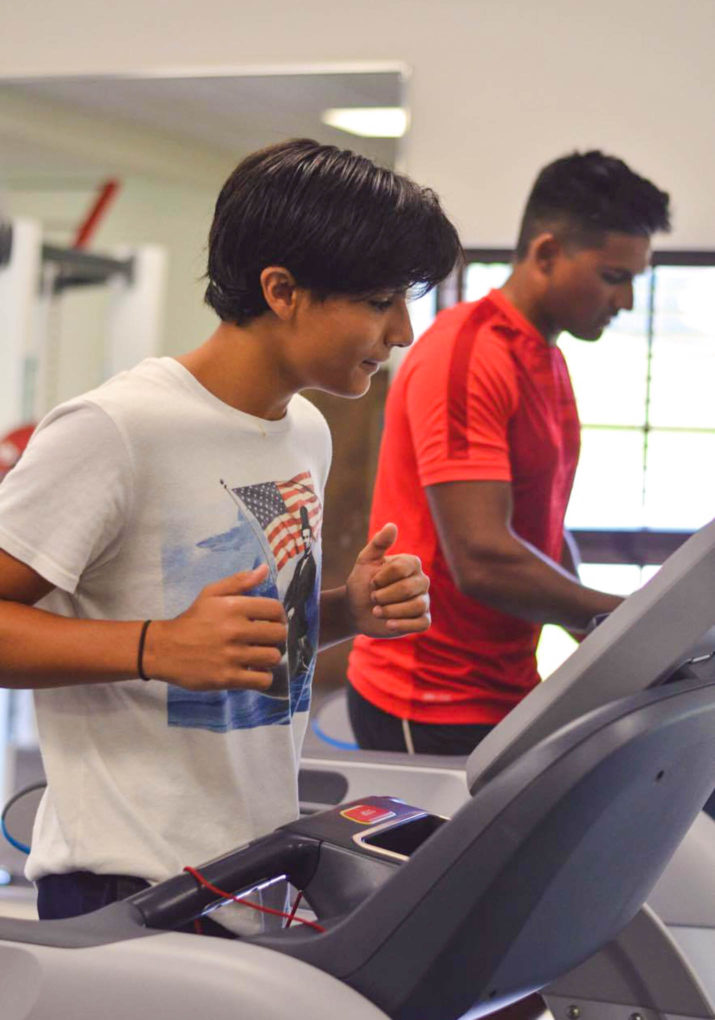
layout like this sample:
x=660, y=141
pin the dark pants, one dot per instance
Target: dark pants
x=81, y=892
x=376, y=730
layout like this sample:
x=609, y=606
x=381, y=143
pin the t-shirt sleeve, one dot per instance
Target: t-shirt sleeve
x=64, y=505
x=460, y=426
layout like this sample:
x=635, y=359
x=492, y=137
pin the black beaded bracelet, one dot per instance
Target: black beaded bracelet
x=140, y=651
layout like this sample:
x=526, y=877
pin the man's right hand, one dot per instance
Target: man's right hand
x=226, y=639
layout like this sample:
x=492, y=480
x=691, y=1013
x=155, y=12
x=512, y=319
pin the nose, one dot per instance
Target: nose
x=400, y=333
x=625, y=296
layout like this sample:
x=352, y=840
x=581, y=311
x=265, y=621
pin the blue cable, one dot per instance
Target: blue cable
x=343, y=745
x=11, y=839
x=22, y=847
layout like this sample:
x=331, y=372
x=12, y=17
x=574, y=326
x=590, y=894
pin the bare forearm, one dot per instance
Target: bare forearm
x=492, y=564
x=517, y=579
x=40, y=649
x=227, y=638
x=570, y=555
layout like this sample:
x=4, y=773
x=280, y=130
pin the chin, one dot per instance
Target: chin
x=357, y=391
x=590, y=334
x=350, y=390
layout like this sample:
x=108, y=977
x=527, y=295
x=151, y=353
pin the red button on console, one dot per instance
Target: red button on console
x=367, y=814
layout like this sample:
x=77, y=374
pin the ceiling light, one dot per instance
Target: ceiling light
x=368, y=121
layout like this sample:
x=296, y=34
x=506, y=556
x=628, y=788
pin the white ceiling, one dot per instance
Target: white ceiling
x=228, y=114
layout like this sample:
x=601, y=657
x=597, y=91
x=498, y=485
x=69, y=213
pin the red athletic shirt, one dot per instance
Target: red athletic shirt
x=481, y=396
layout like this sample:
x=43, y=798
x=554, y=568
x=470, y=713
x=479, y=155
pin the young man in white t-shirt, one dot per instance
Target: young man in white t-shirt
x=188, y=492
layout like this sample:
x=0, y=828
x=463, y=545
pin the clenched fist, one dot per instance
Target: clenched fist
x=388, y=595
x=226, y=639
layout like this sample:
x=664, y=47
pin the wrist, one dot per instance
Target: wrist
x=337, y=621
x=595, y=613
x=342, y=612
x=141, y=672
x=153, y=657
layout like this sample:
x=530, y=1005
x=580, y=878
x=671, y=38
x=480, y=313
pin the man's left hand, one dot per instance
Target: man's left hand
x=388, y=595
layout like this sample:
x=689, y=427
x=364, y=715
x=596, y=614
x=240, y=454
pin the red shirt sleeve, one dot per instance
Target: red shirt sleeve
x=459, y=412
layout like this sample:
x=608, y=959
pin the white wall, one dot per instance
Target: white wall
x=499, y=87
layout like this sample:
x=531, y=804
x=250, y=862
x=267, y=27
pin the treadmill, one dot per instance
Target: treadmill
x=576, y=862
x=662, y=965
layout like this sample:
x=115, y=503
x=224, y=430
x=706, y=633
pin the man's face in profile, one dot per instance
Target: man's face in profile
x=591, y=285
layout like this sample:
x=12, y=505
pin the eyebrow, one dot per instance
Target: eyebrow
x=626, y=274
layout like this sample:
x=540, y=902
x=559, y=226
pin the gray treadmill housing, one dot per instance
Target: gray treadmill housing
x=537, y=871
x=641, y=644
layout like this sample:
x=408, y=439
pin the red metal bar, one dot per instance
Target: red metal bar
x=87, y=228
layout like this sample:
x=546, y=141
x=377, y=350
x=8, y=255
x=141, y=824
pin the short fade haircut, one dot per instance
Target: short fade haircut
x=339, y=223
x=583, y=196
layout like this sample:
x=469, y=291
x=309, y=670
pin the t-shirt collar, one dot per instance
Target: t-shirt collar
x=515, y=317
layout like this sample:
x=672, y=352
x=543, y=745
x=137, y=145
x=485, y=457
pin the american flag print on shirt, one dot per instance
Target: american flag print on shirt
x=276, y=507
x=287, y=517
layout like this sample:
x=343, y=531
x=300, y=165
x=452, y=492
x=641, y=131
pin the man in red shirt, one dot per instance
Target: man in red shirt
x=478, y=457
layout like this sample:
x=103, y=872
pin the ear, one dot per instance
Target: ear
x=279, y=290
x=544, y=250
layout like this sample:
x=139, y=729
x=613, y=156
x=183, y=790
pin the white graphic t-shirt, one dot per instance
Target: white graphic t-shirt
x=130, y=500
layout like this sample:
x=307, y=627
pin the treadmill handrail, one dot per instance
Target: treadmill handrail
x=643, y=641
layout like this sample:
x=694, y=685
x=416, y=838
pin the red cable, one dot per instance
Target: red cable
x=298, y=898
x=247, y=903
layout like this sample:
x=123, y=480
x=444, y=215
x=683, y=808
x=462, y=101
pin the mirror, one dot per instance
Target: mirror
x=169, y=143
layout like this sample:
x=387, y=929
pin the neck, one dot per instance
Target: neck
x=521, y=293
x=239, y=366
